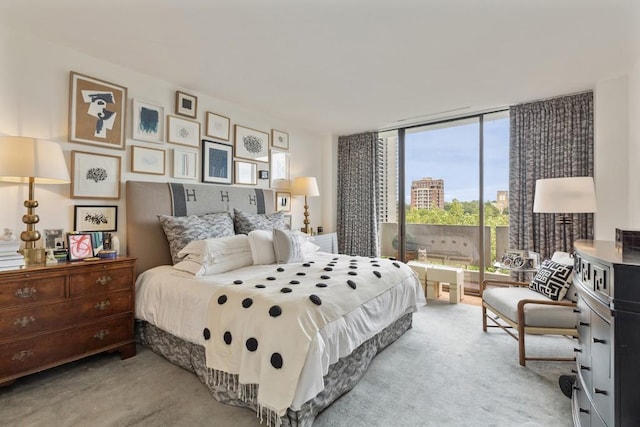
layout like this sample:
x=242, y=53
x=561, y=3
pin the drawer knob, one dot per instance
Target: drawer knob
x=599, y=391
x=576, y=310
x=584, y=323
x=576, y=388
x=103, y=305
x=585, y=368
x=101, y=334
x=577, y=350
x=24, y=321
x=103, y=280
x=599, y=341
x=26, y=292
x=21, y=355
x=584, y=411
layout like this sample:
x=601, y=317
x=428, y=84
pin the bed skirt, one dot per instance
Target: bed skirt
x=342, y=376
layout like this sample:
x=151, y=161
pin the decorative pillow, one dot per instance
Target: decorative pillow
x=565, y=258
x=552, y=280
x=181, y=230
x=209, y=251
x=287, y=246
x=228, y=263
x=261, y=244
x=246, y=222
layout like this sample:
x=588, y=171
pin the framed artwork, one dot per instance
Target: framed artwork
x=217, y=162
x=218, y=126
x=147, y=160
x=95, y=218
x=94, y=176
x=246, y=173
x=263, y=174
x=185, y=164
x=279, y=139
x=148, y=121
x=97, y=242
x=96, y=111
x=184, y=132
x=80, y=246
x=186, y=105
x=283, y=201
x=279, y=165
x=54, y=238
x=251, y=144
x=287, y=221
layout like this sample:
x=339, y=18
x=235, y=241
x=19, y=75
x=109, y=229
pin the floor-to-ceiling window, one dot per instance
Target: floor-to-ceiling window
x=444, y=193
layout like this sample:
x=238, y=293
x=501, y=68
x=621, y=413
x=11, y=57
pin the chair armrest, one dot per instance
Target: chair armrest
x=523, y=302
x=500, y=283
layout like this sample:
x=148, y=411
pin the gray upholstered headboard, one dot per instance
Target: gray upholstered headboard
x=145, y=238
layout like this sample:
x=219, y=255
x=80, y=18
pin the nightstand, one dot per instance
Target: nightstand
x=57, y=314
x=328, y=242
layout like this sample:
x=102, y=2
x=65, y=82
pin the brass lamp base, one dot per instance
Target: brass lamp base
x=33, y=256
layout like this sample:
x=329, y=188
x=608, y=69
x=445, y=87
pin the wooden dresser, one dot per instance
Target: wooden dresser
x=607, y=358
x=57, y=314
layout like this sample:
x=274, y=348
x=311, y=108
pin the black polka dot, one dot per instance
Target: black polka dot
x=378, y=274
x=315, y=299
x=373, y=260
x=247, y=302
x=286, y=290
x=222, y=299
x=275, y=311
x=351, y=284
x=306, y=264
x=328, y=269
x=321, y=285
x=375, y=265
x=325, y=277
x=280, y=269
x=227, y=337
x=252, y=344
x=392, y=258
x=353, y=267
x=237, y=282
x=353, y=273
x=396, y=264
x=260, y=286
x=354, y=260
x=206, y=333
x=271, y=278
x=301, y=274
x=335, y=259
x=276, y=360
x=294, y=282
x=312, y=262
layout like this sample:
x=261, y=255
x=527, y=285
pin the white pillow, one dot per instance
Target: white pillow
x=206, y=251
x=287, y=245
x=261, y=244
x=230, y=262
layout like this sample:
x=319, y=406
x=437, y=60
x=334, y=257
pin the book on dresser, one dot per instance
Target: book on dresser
x=11, y=260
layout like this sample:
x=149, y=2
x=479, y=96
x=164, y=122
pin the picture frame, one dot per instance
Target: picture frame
x=251, y=144
x=97, y=242
x=279, y=139
x=287, y=221
x=90, y=218
x=147, y=160
x=514, y=258
x=186, y=104
x=217, y=162
x=263, y=174
x=95, y=176
x=54, y=238
x=279, y=169
x=218, y=126
x=148, y=121
x=283, y=201
x=245, y=173
x=185, y=164
x=80, y=246
x=97, y=111
x=183, y=132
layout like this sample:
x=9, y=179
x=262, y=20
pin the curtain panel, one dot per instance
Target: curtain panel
x=358, y=178
x=548, y=139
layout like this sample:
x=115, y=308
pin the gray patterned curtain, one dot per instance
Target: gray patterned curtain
x=358, y=164
x=549, y=139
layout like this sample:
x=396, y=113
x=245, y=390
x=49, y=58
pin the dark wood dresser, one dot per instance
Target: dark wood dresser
x=608, y=355
x=57, y=314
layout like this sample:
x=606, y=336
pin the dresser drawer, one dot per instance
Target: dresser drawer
x=602, y=390
x=32, y=355
x=19, y=323
x=30, y=288
x=101, y=279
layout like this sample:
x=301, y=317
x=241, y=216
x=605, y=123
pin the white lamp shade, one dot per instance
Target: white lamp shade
x=565, y=195
x=23, y=157
x=305, y=186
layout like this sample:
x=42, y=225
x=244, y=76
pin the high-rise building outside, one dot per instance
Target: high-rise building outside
x=388, y=179
x=502, y=200
x=427, y=193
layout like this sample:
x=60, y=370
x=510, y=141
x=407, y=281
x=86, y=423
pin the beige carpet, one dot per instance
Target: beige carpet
x=443, y=372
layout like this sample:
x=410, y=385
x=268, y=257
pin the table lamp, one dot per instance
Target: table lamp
x=33, y=161
x=308, y=187
x=565, y=196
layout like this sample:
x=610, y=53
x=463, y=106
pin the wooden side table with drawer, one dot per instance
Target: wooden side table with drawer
x=57, y=314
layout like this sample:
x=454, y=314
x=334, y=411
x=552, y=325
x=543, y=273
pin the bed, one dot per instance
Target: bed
x=333, y=336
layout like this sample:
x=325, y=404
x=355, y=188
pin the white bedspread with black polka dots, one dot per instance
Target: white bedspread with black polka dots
x=261, y=328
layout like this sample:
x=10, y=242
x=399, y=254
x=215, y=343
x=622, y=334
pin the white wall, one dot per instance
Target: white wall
x=633, y=158
x=34, y=88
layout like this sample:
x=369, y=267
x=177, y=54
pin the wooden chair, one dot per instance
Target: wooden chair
x=516, y=307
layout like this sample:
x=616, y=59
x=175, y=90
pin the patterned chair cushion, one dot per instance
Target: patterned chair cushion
x=552, y=280
x=245, y=222
x=181, y=230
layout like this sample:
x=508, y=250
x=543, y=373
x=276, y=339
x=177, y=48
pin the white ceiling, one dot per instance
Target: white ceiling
x=344, y=66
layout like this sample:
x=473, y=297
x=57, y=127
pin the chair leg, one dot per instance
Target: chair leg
x=484, y=318
x=521, y=348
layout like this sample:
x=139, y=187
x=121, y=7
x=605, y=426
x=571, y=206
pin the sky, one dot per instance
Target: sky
x=452, y=153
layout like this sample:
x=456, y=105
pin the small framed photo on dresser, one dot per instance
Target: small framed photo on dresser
x=80, y=246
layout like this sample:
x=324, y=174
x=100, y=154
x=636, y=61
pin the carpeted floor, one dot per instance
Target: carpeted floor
x=443, y=372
